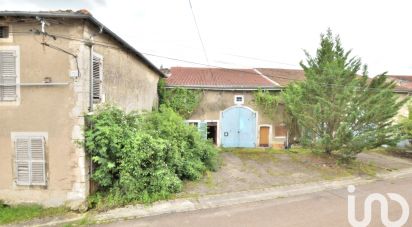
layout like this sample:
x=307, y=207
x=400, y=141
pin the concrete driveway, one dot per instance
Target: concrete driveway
x=250, y=169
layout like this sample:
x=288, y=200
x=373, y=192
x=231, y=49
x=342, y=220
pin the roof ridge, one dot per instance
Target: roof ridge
x=267, y=78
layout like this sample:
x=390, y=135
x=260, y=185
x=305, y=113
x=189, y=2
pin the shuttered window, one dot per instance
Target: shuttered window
x=30, y=161
x=97, y=78
x=8, y=75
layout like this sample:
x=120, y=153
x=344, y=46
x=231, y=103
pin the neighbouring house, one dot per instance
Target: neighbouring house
x=228, y=110
x=403, y=88
x=55, y=68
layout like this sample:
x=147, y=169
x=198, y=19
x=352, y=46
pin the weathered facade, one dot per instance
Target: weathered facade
x=50, y=78
x=212, y=110
x=227, y=107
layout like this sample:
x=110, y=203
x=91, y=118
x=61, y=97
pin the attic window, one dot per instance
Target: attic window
x=4, y=32
x=239, y=100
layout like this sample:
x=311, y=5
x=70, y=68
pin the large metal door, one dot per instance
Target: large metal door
x=238, y=127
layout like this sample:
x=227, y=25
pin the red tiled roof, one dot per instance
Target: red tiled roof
x=403, y=83
x=283, y=76
x=249, y=78
x=404, y=78
x=217, y=77
x=405, y=86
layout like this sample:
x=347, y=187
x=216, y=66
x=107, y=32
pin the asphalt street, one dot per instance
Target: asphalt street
x=327, y=208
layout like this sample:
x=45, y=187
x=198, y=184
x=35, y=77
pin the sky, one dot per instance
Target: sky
x=252, y=33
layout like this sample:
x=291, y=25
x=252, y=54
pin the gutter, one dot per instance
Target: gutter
x=91, y=78
x=224, y=88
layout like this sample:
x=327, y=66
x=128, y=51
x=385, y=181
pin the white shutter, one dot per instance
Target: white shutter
x=97, y=78
x=38, y=173
x=30, y=161
x=8, y=75
x=22, y=161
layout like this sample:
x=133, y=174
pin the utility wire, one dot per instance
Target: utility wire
x=146, y=53
x=200, y=36
x=191, y=62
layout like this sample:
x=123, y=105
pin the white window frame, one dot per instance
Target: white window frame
x=193, y=121
x=28, y=135
x=239, y=102
x=207, y=121
x=18, y=97
x=102, y=96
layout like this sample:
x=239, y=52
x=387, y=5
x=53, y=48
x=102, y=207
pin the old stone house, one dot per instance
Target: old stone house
x=228, y=110
x=55, y=68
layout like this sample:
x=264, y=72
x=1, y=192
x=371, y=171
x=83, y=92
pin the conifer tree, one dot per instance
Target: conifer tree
x=336, y=108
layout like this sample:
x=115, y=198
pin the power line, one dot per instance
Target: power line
x=198, y=32
x=186, y=61
x=200, y=37
x=229, y=54
x=260, y=59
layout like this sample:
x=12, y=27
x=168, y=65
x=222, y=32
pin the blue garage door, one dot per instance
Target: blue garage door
x=238, y=127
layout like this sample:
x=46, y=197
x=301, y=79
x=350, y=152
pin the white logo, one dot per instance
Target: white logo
x=384, y=209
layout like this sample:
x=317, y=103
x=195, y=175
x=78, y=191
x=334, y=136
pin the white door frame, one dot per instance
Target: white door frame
x=256, y=124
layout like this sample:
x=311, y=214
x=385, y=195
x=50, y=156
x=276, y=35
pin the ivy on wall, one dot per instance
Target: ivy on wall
x=268, y=102
x=183, y=101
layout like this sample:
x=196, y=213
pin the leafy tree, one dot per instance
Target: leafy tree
x=339, y=110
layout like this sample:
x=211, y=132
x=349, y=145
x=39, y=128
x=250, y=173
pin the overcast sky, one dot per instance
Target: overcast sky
x=252, y=33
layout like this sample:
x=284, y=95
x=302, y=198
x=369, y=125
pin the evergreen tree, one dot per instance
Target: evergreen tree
x=339, y=110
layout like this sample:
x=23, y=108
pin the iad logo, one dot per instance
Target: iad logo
x=381, y=199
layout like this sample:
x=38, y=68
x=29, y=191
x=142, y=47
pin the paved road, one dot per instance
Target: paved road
x=328, y=208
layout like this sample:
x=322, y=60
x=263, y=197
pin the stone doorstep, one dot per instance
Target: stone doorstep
x=227, y=199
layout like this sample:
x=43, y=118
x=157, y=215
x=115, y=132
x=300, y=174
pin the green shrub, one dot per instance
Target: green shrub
x=144, y=157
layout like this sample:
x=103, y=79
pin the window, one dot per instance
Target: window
x=8, y=75
x=30, y=160
x=97, y=78
x=239, y=99
x=194, y=124
x=4, y=32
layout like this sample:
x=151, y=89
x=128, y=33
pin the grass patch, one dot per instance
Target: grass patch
x=19, y=213
x=86, y=221
x=360, y=168
x=295, y=150
x=210, y=183
x=256, y=156
x=331, y=167
x=394, y=151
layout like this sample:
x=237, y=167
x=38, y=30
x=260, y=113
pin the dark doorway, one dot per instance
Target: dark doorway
x=212, y=131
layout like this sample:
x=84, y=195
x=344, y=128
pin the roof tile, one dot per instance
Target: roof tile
x=216, y=77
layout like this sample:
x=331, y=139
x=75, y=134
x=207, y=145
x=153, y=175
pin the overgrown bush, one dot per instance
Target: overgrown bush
x=144, y=157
